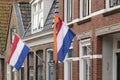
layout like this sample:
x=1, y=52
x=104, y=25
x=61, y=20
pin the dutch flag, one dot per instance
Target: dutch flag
x=63, y=37
x=18, y=53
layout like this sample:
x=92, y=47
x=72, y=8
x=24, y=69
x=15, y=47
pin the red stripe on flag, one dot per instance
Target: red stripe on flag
x=14, y=45
x=59, y=25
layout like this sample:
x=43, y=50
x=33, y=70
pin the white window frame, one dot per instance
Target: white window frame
x=108, y=4
x=81, y=9
x=40, y=58
x=9, y=72
x=37, y=12
x=66, y=65
x=65, y=11
x=82, y=44
x=115, y=51
x=47, y=63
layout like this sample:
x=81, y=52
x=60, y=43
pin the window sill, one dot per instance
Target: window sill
x=105, y=12
x=111, y=11
x=84, y=21
x=80, y=21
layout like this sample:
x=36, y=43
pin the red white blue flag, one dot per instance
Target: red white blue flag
x=18, y=53
x=63, y=37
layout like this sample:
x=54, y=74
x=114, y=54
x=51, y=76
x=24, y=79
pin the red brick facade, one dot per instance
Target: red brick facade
x=95, y=22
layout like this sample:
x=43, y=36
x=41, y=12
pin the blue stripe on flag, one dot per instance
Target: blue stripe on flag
x=65, y=46
x=22, y=57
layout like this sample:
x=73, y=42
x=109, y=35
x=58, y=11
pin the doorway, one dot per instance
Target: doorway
x=118, y=66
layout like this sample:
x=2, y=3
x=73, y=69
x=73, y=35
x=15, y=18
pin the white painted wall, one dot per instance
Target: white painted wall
x=107, y=66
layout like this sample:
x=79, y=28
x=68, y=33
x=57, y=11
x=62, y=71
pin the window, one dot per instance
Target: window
x=13, y=30
x=69, y=10
x=68, y=66
x=9, y=72
x=85, y=50
x=37, y=16
x=49, y=65
x=2, y=68
x=85, y=8
x=22, y=73
x=30, y=66
x=113, y=3
x=39, y=65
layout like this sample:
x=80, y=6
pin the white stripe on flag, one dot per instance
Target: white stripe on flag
x=61, y=35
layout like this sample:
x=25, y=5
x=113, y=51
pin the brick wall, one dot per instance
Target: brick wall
x=99, y=21
x=4, y=22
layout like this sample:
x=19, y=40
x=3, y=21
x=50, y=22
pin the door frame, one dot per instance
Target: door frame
x=115, y=51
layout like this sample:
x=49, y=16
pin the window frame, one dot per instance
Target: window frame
x=12, y=31
x=111, y=7
x=39, y=65
x=37, y=16
x=49, y=63
x=81, y=9
x=29, y=66
x=68, y=65
x=22, y=73
x=66, y=11
x=84, y=43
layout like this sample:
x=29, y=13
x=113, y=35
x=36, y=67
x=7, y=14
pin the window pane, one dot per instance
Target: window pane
x=37, y=16
x=114, y=3
x=70, y=53
x=69, y=10
x=40, y=20
x=118, y=44
x=22, y=73
x=69, y=70
x=31, y=73
x=85, y=59
x=13, y=30
x=30, y=66
x=85, y=8
x=35, y=23
x=40, y=73
x=86, y=50
x=86, y=69
x=35, y=7
x=2, y=69
x=39, y=66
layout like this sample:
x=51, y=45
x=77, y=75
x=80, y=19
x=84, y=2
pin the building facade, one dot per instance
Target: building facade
x=4, y=22
x=19, y=21
x=95, y=49
x=39, y=63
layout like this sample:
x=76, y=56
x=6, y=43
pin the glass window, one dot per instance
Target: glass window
x=39, y=65
x=49, y=65
x=37, y=16
x=85, y=51
x=30, y=66
x=13, y=30
x=69, y=10
x=22, y=73
x=113, y=3
x=69, y=65
x=2, y=68
x=118, y=44
x=84, y=8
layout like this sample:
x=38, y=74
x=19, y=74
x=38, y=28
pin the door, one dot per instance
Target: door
x=118, y=66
